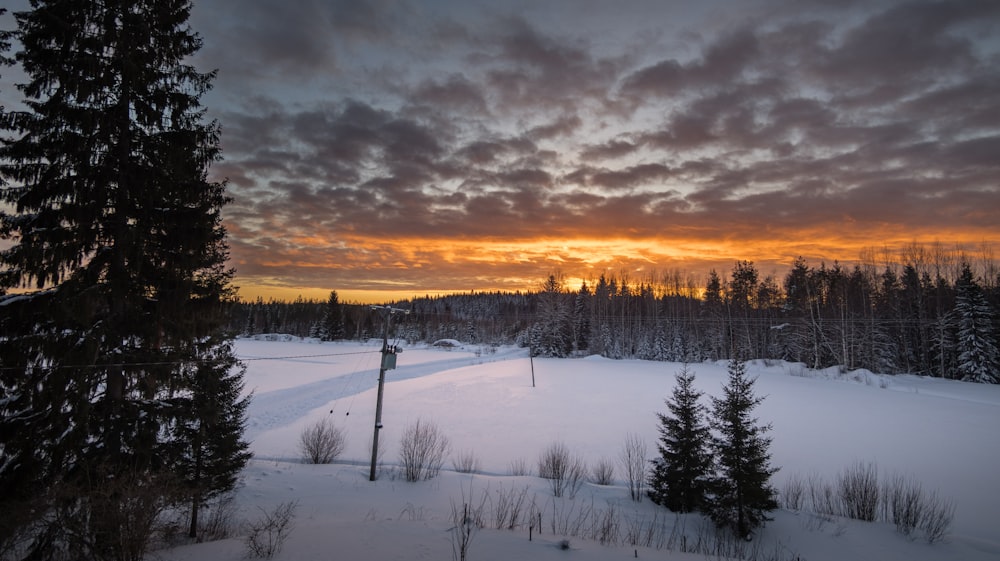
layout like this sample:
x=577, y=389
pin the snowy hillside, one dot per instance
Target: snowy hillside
x=942, y=434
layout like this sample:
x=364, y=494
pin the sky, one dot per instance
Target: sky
x=392, y=148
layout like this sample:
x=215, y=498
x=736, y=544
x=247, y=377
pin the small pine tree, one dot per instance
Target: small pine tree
x=679, y=476
x=740, y=494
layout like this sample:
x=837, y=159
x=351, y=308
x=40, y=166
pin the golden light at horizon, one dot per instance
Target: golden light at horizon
x=376, y=271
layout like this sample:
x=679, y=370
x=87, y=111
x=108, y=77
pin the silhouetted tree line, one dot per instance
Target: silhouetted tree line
x=933, y=313
x=481, y=317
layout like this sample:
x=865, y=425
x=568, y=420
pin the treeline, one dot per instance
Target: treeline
x=934, y=313
x=490, y=318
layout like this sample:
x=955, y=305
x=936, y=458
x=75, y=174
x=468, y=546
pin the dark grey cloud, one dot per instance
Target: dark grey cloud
x=723, y=62
x=455, y=93
x=374, y=124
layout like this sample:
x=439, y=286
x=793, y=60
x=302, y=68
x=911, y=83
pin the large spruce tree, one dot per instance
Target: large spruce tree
x=679, y=476
x=117, y=263
x=978, y=352
x=333, y=319
x=551, y=334
x=740, y=493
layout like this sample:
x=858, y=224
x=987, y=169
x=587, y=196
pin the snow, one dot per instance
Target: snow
x=941, y=433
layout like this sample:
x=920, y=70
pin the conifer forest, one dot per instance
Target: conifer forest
x=927, y=311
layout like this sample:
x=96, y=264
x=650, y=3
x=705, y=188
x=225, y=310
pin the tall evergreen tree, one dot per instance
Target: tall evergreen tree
x=679, y=476
x=552, y=335
x=333, y=319
x=209, y=430
x=740, y=493
x=117, y=229
x=581, y=318
x=715, y=333
x=978, y=354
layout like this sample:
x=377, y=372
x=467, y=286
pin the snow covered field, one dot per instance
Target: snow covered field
x=944, y=434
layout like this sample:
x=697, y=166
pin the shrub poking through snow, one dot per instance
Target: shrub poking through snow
x=466, y=462
x=564, y=471
x=518, y=467
x=859, y=492
x=633, y=462
x=603, y=472
x=792, y=493
x=267, y=534
x=322, y=442
x=422, y=451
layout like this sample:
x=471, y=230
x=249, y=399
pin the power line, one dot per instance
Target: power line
x=182, y=362
x=305, y=356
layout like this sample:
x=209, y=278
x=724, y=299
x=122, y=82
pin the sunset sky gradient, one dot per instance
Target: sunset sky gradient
x=389, y=148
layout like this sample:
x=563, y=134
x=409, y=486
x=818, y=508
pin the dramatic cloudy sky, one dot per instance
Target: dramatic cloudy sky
x=419, y=146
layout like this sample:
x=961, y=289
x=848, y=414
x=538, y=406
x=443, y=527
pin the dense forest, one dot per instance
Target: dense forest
x=932, y=312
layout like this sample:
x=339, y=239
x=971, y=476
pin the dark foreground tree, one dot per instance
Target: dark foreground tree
x=208, y=430
x=116, y=236
x=679, y=476
x=740, y=492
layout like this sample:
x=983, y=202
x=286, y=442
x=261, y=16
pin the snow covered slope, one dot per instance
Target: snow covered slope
x=941, y=433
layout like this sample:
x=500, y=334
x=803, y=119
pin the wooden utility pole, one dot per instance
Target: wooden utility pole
x=531, y=359
x=388, y=363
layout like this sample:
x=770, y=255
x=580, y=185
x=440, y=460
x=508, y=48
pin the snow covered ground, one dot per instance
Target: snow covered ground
x=943, y=434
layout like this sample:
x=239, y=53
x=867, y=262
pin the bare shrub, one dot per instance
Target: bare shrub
x=322, y=442
x=462, y=532
x=633, y=462
x=822, y=496
x=603, y=472
x=468, y=520
x=466, y=462
x=219, y=524
x=126, y=505
x=552, y=461
x=266, y=535
x=858, y=494
x=792, y=493
x=564, y=472
x=608, y=526
x=508, y=508
x=858, y=489
x=936, y=521
x=575, y=476
x=422, y=451
x=518, y=467
x=904, y=503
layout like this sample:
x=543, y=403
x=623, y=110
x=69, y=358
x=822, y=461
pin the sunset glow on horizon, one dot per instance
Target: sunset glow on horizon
x=391, y=149
x=511, y=266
